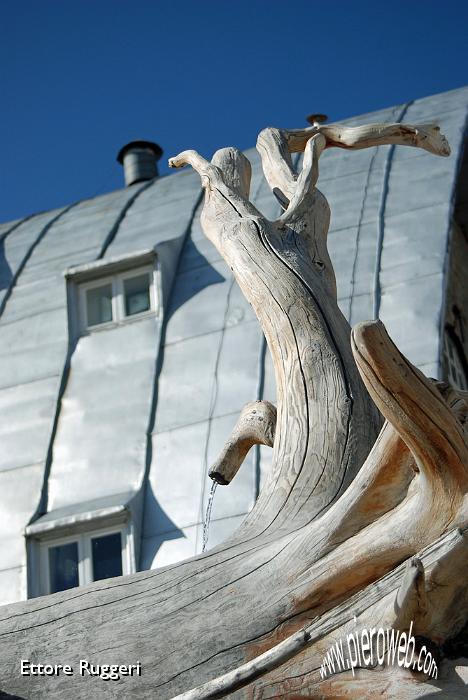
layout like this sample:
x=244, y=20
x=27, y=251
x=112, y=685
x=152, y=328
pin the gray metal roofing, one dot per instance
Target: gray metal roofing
x=146, y=406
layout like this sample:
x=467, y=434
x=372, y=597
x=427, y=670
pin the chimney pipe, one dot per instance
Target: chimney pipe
x=316, y=119
x=139, y=159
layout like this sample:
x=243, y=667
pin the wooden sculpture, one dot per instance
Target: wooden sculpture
x=358, y=524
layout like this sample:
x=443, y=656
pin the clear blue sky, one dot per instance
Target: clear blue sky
x=80, y=79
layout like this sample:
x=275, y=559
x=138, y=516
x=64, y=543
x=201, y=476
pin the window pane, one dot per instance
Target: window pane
x=137, y=294
x=63, y=567
x=99, y=304
x=107, y=556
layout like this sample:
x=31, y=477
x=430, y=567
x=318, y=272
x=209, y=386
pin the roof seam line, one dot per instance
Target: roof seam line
x=29, y=253
x=5, y=235
x=143, y=487
x=115, y=228
x=358, y=232
x=21, y=466
x=381, y=230
x=194, y=524
x=72, y=343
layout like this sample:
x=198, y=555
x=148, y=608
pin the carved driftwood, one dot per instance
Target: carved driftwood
x=256, y=426
x=344, y=505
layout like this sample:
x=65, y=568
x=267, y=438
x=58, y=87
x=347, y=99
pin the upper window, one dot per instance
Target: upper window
x=106, y=293
x=116, y=298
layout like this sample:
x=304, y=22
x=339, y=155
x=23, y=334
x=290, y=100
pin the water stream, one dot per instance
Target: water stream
x=206, y=522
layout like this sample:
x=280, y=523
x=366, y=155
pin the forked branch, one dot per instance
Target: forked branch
x=276, y=146
x=435, y=500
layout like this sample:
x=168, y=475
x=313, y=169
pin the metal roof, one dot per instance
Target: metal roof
x=144, y=408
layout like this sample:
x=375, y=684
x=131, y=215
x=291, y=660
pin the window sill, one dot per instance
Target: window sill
x=120, y=323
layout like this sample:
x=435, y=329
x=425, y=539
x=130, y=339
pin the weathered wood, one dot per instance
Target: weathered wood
x=373, y=606
x=277, y=656
x=256, y=426
x=342, y=507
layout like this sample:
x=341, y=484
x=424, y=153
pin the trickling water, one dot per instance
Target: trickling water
x=206, y=522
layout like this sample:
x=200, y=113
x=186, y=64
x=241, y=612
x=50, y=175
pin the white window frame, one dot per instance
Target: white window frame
x=85, y=564
x=83, y=289
x=118, y=301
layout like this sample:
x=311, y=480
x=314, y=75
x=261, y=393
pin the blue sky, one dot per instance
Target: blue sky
x=80, y=79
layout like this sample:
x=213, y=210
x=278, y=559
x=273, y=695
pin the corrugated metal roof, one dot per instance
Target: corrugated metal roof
x=145, y=407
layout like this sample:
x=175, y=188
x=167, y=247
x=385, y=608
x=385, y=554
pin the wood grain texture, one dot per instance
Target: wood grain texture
x=343, y=507
x=256, y=426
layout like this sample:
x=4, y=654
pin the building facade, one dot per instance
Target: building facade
x=127, y=350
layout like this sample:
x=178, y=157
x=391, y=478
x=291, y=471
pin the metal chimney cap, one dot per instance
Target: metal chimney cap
x=149, y=145
x=316, y=118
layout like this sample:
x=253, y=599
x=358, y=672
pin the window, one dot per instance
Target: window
x=454, y=360
x=83, y=558
x=106, y=556
x=99, y=305
x=117, y=298
x=80, y=543
x=63, y=566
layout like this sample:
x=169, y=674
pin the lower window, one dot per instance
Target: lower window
x=80, y=559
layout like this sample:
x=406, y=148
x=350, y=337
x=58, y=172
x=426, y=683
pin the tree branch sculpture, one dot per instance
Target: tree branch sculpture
x=344, y=505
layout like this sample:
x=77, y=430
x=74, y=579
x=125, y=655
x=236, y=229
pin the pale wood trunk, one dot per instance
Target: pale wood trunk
x=342, y=507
